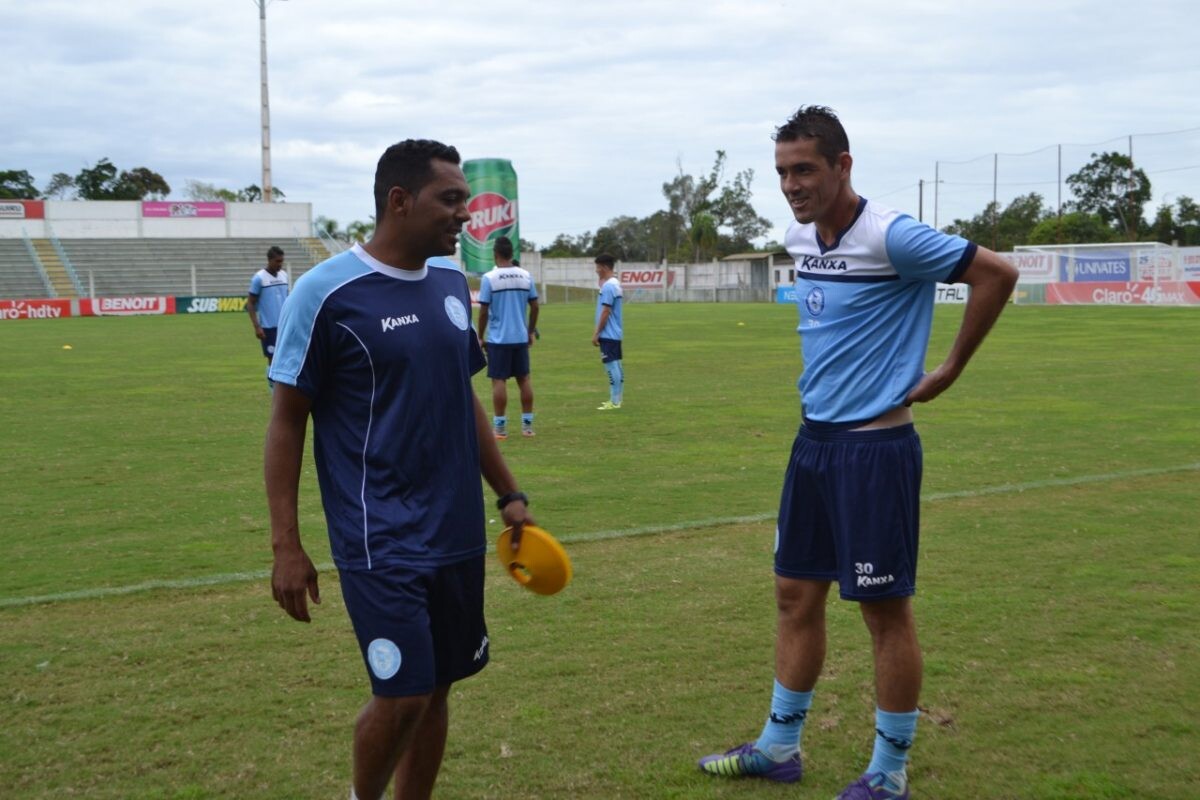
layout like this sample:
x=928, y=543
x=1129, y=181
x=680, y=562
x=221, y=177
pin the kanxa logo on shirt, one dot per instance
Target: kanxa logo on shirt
x=391, y=323
x=823, y=264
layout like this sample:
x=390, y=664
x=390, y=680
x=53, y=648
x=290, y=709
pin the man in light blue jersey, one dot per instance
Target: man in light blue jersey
x=866, y=277
x=504, y=295
x=376, y=345
x=609, y=332
x=268, y=290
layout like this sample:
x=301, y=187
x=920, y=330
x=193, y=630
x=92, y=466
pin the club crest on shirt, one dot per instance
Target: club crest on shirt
x=457, y=313
x=815, y=301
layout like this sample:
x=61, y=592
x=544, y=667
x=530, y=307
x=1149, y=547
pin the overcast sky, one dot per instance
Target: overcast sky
x=598, y=103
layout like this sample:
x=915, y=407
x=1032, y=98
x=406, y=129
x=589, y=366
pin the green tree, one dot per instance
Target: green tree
x=253, y=194
x=17, y=184
x=702, y=234
x=60, y=187
x=726, y=204
x=627, y=239
x=1074, y=227
x=567, y=246
x=1110, y=187
x=1177, y=223
x=207, y=192
x=706, y=216
x=359, y=231
x=95, y=183
x=104, y=182
x=141, y=183
x=328, y=226
x=1003, y=230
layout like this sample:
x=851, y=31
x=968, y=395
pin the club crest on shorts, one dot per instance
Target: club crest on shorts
x=457, y=313
x=815, y=301
x=384, y=657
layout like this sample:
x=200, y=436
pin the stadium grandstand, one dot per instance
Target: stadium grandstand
x=109, y=249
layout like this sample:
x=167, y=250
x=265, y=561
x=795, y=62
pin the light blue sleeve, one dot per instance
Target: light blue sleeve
x=918, y=252
x=256, y=285
x=608, y=295
x=485, y=290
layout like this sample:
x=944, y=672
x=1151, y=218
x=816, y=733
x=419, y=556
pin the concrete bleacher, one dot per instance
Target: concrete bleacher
x=19, y=276
x=118, y=267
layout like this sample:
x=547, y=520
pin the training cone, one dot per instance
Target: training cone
x=541, y=565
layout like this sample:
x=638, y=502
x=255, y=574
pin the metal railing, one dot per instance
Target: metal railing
x=66, y=260
x=37, y=262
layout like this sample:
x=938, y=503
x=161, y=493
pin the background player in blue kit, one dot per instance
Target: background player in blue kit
x=609, y=331
x=376, y=345
x=865, y=284
x=264, y=302
x=505, y=293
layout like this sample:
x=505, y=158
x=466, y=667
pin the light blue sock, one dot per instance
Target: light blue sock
x=500, y=422
x=894, y=734
x=613, y=368
x=781, y=735
x=527, y=419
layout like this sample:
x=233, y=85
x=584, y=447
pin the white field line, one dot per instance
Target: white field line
x=596, y=536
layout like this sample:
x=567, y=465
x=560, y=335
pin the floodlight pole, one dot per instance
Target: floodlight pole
x=936, y=180
x=266, y=107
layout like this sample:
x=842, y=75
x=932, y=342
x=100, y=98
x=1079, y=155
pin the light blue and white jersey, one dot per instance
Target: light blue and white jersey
x=387, y=357
x=269, y=291
x=866, y=309
x=507, y=292
x=611, y=296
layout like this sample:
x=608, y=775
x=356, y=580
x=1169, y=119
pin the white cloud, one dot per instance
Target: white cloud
x=595, y=103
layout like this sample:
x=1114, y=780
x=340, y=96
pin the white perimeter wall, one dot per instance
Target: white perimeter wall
x=118, y=219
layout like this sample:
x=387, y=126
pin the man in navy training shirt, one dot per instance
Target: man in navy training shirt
x=376, y=345
x=866, y=278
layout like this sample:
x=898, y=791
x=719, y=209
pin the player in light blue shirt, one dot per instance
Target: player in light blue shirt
x=506, y=293
x=609, y=332
x=264, y=302
x=376, y=346
x=865, y=282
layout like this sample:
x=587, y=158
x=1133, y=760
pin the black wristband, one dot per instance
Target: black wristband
x=504, y=500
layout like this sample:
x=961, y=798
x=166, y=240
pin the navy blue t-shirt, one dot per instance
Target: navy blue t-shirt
x=387, y=355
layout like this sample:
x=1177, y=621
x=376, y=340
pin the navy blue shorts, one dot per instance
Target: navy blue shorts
x=610, y=350
x=418, y=628
x=507, y=361
x=850, y=511
x=268, y=341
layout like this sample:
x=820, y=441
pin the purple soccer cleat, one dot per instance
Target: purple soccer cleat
x=746, y=761
x=875, y=786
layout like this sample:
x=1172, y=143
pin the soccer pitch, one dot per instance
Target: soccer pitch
x=142, y=656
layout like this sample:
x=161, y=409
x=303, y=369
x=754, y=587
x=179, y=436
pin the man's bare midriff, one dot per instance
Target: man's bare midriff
x=897, y=416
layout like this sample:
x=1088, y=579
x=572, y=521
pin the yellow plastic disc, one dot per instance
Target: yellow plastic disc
x=541, y=564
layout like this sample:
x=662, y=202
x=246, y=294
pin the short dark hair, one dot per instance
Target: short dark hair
x=502, y=247
x=275, y=250
x=816, y=122
x=408, y=165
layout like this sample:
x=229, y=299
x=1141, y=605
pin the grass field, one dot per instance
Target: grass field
x=141, y=655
